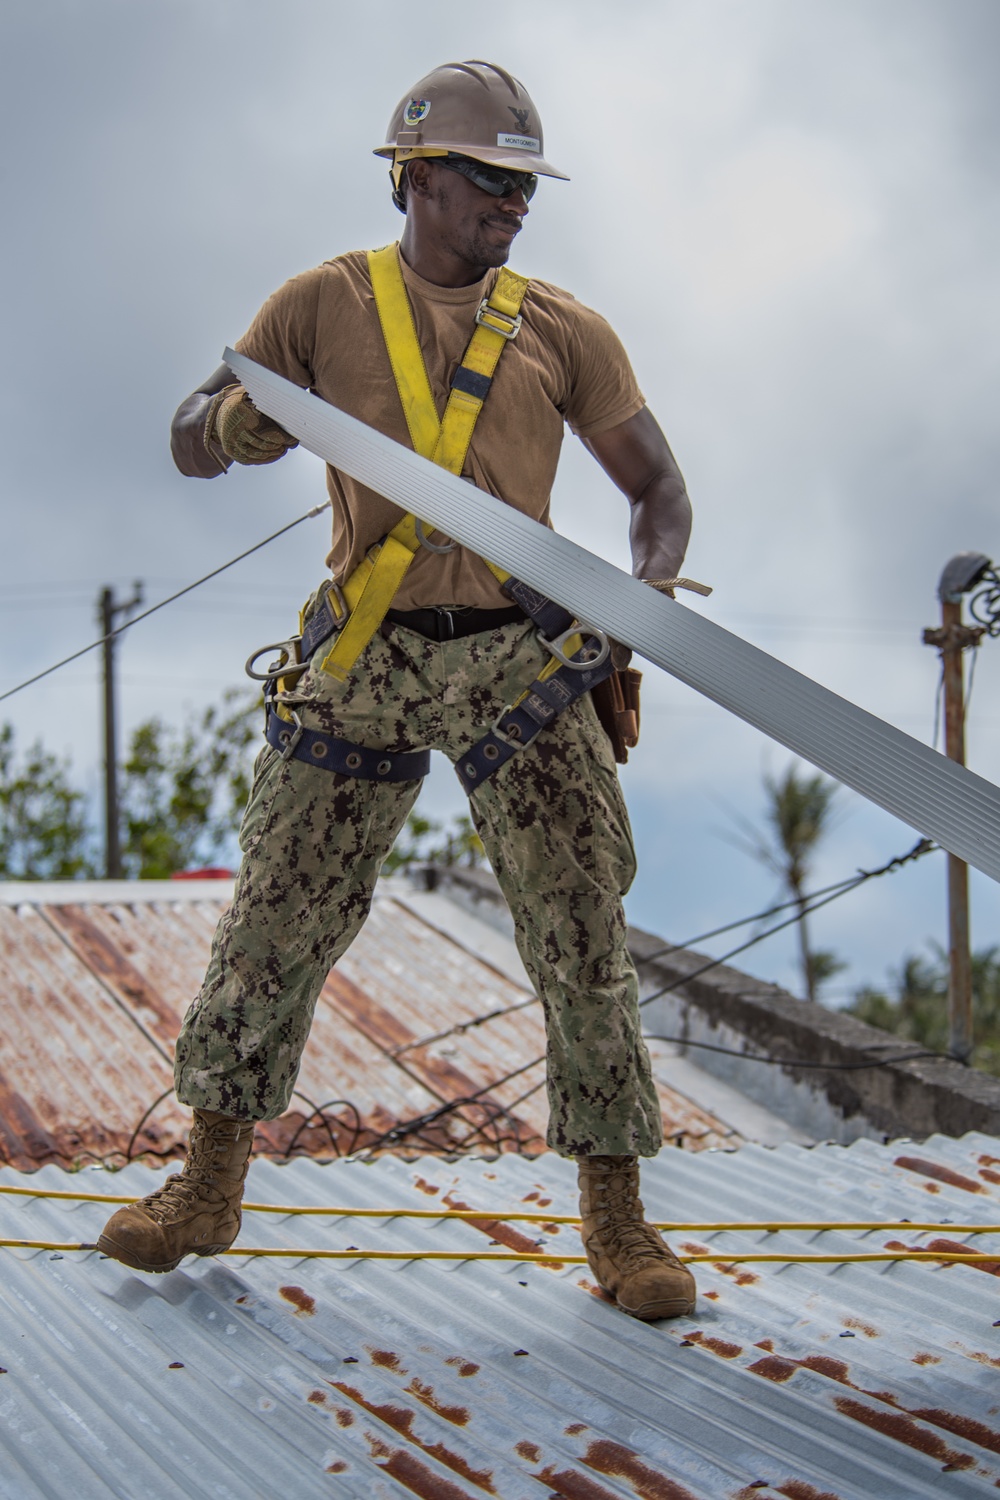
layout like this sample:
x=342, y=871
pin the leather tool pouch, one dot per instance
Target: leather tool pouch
x=617, y=702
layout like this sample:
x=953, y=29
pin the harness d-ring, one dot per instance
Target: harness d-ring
x=418, y=528
x=592, y=660
x=276, y=669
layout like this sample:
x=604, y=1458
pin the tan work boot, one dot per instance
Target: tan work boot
x=196, y=1211
x=626, y=1254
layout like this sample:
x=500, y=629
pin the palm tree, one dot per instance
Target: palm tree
x=797, y=816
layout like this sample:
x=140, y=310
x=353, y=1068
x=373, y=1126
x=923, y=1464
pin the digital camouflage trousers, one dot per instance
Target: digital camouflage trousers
x=554, y=825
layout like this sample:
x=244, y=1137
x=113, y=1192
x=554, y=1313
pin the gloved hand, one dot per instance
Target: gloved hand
x=244, y=433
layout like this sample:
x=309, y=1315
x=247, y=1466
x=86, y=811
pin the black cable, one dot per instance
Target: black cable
x=922, y=847
x=431, y=1117
x=138, y=1129
x=316, y=510
x=841, y=885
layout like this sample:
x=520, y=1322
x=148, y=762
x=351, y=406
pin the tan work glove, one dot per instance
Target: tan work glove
x=244, y=433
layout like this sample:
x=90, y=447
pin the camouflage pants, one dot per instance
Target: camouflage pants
x=556, y=831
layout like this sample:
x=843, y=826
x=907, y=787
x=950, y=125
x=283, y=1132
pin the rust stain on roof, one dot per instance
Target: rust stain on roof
x=940, y=1172
x=721, y=1347
x=619, y=1462
x=950, y=1247
x=95, y=992
x=401, y=1419
x=503, y=1234
x=904, y=1429
x=304, y=1305
x=798, y=1489
x=412, y=1474
x=459, y=1415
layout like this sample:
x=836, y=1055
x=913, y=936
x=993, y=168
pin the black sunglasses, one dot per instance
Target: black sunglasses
x=497, y=181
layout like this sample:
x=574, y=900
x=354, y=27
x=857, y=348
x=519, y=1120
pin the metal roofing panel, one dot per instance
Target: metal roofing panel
x=96, y=991
x=242, y=1377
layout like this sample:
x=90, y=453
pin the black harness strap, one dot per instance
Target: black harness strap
x=545, y=699
x=330, y=753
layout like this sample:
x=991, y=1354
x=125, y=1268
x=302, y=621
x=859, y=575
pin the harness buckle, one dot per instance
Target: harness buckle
x=290, y=738
x=505, y=325
x=511, y=738
x=285, y=668
x=594, y=659
x=340, y=614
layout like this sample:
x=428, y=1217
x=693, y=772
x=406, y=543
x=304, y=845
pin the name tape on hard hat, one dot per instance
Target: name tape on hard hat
x=519, y=142
x=941, y=799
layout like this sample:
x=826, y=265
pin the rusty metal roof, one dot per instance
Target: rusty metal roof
x=97, y=977
x=241, y=1377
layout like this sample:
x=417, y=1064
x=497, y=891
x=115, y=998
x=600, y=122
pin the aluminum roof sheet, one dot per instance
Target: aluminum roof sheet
x=97, y=980
x=241, y=1376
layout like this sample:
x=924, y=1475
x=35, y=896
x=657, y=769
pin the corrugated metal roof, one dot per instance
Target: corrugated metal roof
x=241, y=1377
x=97, y=979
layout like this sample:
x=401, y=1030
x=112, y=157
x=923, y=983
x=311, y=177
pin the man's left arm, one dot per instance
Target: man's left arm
x=637, y=457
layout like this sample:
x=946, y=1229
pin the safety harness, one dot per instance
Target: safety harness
x=579, y=657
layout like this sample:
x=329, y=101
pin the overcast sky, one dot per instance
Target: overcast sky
x=788, y=210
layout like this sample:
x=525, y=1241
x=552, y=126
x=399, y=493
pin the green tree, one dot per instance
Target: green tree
x=798, y=814
x=182, y=800
x=918, y=1011
x=183, y=792
x=43, y=821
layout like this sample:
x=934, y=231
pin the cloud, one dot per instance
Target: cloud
x=788, y=213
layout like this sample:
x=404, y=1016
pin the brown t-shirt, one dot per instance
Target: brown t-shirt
x=321, y=330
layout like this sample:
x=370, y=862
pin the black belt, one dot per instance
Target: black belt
x=449, y=624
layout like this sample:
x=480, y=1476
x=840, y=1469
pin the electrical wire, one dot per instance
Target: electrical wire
x=120, y=629
x=920, y=848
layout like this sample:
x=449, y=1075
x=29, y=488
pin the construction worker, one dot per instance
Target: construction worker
x=413, y=644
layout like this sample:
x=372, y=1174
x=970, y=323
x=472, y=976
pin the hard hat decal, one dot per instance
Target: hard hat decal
x=521, y=118
x=519, y=142
x=417, y=110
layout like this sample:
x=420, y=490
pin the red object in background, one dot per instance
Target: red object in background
x=213, y=872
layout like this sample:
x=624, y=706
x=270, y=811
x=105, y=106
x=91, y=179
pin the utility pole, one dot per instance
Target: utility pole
x=108, y=611
x=963, y=573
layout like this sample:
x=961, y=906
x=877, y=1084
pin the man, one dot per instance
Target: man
x=443, y=656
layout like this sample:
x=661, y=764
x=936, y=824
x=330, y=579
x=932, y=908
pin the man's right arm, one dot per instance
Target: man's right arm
x=196, y=454
x=218, y=424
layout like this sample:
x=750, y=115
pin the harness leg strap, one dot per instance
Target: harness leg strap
x=331, y=753
x=516, y=727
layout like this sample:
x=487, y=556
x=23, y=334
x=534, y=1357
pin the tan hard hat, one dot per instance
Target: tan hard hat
x=474, y=109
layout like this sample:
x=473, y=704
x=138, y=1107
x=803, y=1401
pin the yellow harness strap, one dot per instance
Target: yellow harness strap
x=371, y=587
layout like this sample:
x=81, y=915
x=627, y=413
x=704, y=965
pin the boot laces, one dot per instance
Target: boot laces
x=198, y=1181
x=623, y=1229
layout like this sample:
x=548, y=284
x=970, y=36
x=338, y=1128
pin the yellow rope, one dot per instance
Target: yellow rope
x=544, y=1257
x=770, y=1226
